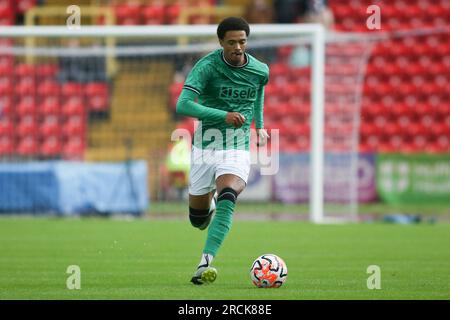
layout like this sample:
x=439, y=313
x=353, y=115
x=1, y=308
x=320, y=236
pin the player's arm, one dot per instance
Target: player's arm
x=259, y=118
x=188, y=106
x=259, y=109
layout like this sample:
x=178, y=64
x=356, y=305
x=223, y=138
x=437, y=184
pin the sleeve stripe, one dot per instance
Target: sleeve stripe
x=191, y=88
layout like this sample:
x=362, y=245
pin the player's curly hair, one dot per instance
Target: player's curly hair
x=232, y=24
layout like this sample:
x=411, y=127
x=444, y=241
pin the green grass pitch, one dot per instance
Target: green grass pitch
x=154, y=259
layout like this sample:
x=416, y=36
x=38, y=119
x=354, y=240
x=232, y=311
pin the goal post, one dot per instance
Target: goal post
x=316, y=40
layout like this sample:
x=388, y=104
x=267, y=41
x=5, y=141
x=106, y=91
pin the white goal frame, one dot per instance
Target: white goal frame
x=316, y=31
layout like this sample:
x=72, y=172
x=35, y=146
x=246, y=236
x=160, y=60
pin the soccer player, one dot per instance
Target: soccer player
x=224, y=90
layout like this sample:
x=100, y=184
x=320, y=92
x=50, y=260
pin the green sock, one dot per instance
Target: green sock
x=219, y=227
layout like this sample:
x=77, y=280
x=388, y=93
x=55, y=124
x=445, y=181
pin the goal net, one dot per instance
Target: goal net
x=108, y=94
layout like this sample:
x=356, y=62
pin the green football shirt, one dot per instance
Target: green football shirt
x=219, y=88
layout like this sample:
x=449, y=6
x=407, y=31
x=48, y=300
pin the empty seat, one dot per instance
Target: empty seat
x=48, y=88
x=51, y=146
x=26, y=106
x=6, y=106
x=6, y=86
x=74, y=106
x=50, y=126
x=25, y=86
x=97, y=96
x=172, y=13
x=23, y=5
x=47, y=71
x=73, y=148
x=153, y=14
x=6, y=144
x=6, y=126
x=72, y=89
x=75, y=125
x=24, y=70
x=49, y=106
x=27, y=127
x=6, y=68
x=128, y=14
x=27, y=146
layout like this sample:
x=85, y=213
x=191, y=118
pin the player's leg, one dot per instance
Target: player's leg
x=229, y=186
x=231, y=178
x=201, y=195
x=201, y=187
x=201, y=209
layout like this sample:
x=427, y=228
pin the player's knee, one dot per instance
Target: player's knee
x=227, y=194
x=198, y=216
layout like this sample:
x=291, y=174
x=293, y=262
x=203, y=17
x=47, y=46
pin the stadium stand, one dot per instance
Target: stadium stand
x=49, y=109
x=405, y=95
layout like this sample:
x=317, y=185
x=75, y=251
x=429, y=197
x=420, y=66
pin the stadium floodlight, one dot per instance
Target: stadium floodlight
x=160, y=40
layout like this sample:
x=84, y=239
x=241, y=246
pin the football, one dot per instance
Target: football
x=268, y=271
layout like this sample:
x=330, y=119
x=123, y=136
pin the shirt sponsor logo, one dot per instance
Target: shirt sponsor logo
x=235, y=93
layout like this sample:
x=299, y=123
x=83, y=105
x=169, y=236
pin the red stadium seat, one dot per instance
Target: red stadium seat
x=48, y=88
x=6, y=106
x=368, y=129
x=49, y=106
x=50, y=126
x=173, y=13
x=47, y=71
x=153, y=14
x=6, y=67
x=443, y=143
x=25, y=86
x=278, y=69
x=373, y=142
x=416, y=129
x=73, y=106
x=441, y=110
x=7, y=21
x=6, y=127
x=71, y=89
x=6, y=86
x=6, y=145
x=25, y=70
x=7, y=13
x=51, y=146
x=128, y=14
x=399, y=110
x=74, y=148
x=284, y=53
x=24, y=5
x=427, y=121
x=97, y=96
x=28, y=146
x=74, y=126
x=439, y=129
x=27, y=127
x=26, y=106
